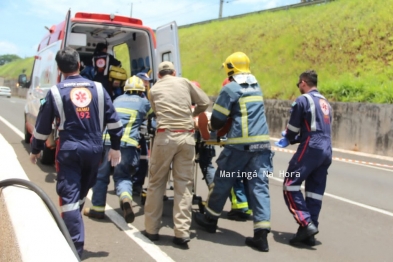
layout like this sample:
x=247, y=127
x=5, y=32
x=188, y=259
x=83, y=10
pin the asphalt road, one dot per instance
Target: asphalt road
x=356, y=221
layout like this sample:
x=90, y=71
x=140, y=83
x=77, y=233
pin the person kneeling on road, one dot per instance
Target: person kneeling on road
x=132, y=109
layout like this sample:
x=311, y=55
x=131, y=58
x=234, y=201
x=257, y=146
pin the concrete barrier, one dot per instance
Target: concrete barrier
x=28, y=231
x=19, y=92
x=360, y=127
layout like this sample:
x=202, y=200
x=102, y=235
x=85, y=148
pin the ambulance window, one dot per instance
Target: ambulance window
x=167, y=56
x=122, y=54
x=45, y=67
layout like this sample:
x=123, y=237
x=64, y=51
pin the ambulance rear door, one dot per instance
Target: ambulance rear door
x=168, y=48
x=67, y=29
x=66, y=34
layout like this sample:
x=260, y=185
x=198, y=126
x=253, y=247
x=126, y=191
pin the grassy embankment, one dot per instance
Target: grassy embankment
x=348, y=42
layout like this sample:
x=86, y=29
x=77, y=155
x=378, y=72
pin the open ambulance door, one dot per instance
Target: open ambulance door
x=168, y=48
x=66, y=33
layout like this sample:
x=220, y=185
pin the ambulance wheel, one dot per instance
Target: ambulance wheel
x=48, y=156
x=201, y=206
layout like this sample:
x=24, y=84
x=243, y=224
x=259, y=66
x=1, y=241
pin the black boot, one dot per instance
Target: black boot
x=310, y=241
x=210, y=224
x=259, y=241
x=304, y=233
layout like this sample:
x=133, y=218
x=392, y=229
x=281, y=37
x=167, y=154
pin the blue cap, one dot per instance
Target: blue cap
x=143, y=76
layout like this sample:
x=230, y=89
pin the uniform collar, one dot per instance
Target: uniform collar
x=73, y=77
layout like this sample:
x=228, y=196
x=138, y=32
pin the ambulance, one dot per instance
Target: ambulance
x=138, y=47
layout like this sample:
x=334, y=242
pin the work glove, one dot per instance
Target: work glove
x=114, y=156
x=33, y=158
x=283, y=142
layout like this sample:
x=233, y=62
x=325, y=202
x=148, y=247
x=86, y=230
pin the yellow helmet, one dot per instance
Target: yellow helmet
x=237, y=63
x=134, y=83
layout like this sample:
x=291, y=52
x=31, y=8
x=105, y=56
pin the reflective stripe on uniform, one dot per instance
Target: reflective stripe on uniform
x=106, y=66
x=314, y=195
x=221, y=109
x=313, y=124
x=235, y=204
x=212, y=212
x=39, y=136
x=211, y=186
x=150, y=111
x=250, y=139
x=124, y=139
x=59, y=104
x=98, y=208
x=114, y=125
x=82, y=201
x=291, y=188
x=144, y=157
x=131, y=115
x=293, y=129
x=125, y=195
x=70, y=207
x=100, y=94
x=262, y=224
x=243, y=110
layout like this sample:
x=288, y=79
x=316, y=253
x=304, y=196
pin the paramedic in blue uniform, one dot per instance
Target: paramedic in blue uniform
x=309, y=125
x=102, y=62
x=80, y=108
x=133, y=108
x=246, y=153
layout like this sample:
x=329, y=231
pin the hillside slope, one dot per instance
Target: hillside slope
x=348, y=42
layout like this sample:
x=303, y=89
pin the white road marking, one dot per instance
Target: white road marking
x=347, y=201
x=353, y=152
x=16, y=130
x=355, y=162
x=132, y=232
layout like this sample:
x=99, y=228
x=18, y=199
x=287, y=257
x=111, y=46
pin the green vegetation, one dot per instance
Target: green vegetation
x=4, y=59
x=13, y=69
x=348, y=42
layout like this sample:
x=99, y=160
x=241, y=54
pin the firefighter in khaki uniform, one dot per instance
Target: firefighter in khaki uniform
x=171, y=98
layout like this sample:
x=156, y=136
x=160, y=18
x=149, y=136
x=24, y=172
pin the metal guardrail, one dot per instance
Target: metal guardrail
x=286, y=7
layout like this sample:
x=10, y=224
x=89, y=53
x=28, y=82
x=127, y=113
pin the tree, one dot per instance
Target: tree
x=4, y=59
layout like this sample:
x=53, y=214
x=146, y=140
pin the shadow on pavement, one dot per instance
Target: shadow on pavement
x=284, y=237
x=88, y=254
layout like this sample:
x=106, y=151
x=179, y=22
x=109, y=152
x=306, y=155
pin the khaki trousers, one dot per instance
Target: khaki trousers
x=178, y=149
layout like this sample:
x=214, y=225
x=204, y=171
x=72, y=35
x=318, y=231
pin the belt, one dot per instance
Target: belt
x=160, y=130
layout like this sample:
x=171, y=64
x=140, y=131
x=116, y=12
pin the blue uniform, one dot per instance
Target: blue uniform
x=247, y=154
x=132, y=110
x=309, y=125
x=80, y=108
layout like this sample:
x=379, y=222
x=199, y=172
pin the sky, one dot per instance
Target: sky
x=23, y=21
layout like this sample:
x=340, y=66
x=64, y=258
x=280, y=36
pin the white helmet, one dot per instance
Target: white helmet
x=134, y=83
